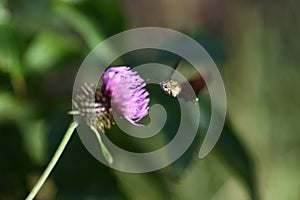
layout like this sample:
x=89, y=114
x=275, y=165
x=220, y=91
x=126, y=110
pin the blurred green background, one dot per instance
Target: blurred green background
x=255, y=45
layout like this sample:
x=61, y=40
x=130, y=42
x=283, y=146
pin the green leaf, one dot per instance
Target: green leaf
x=4, y=13
x=107, y=155
x=135, y=186
x=231, y=149
x=12, y=109
x=33, y=131
x=34, y=136
x=81, y=24
x=10, y=50
x=89, y=31
x=48, y=49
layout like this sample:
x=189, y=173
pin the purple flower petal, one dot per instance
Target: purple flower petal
x=128, y=93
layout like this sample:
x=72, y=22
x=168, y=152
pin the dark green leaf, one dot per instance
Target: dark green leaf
x=10, y=50
x=231, y=149
x=47, y=49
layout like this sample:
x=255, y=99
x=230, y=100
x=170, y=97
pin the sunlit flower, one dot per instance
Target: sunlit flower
x=122, y=90
x=127, y=91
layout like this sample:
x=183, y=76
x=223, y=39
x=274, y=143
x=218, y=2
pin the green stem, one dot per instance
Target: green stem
x=105, y=151
x=53, y=161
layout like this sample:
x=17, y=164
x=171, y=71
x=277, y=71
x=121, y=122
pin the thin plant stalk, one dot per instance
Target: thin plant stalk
x=105, y=151
x=53, y=161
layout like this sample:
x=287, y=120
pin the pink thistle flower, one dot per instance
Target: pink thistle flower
x=127, y=91
x=122, y=90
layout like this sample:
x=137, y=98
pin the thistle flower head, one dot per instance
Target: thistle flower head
x=94, y=107
x=122, y=90
x=128, y=93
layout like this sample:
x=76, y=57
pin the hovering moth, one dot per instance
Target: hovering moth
x=182, y=90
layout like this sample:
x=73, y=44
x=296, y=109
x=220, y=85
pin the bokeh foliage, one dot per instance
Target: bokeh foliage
x=42, y=44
